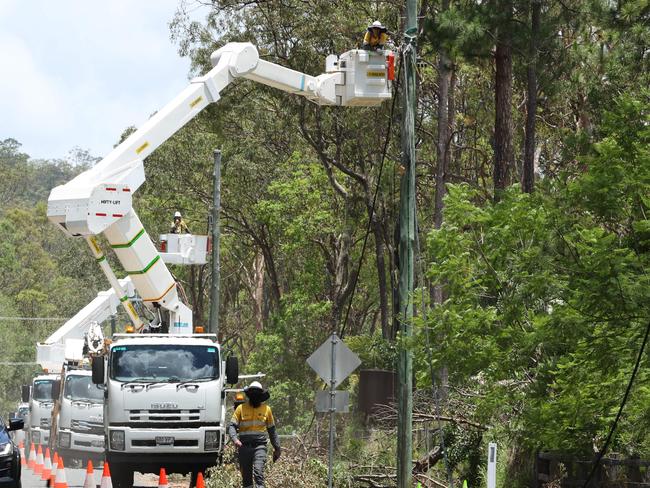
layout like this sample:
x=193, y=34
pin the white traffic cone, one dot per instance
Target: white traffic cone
x=107, y=482
x=55, y=468
x=60, y=481
x=47, y=465
x=38, y=467
x=23, y=461
x=90, y=476
x=32, y=458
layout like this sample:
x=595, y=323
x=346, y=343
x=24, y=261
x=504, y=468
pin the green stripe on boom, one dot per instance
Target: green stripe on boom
x=143, y=271
x=124, y=298
x=130, y=243
x=99, y=260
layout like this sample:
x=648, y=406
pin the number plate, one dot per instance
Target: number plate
x=97, y=443
x=164, y=441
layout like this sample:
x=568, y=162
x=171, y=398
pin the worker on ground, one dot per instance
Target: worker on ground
x=248, y=429
x=178, y=225
x=376, y=36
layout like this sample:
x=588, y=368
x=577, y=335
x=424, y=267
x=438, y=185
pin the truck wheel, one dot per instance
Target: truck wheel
x=122, y=477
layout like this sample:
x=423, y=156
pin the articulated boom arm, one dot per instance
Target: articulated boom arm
x=52, y=353
x=100, y=199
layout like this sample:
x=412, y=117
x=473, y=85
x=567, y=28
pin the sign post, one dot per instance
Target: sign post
x=492, y=465
x=333, y=361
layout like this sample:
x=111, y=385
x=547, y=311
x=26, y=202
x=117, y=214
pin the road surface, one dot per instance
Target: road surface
x=76, y=478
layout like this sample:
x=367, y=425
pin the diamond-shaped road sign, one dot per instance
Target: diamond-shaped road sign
x=345, y=361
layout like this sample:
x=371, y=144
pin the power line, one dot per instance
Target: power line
x=374, y=202
x=602, y=452
x=35, y=319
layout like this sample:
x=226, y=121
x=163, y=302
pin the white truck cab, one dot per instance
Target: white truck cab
x=164, y=403
x=41, y=402
x=78, y=426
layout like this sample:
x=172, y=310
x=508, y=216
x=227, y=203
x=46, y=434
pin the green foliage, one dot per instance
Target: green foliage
x=548, y=297
x=374, y=351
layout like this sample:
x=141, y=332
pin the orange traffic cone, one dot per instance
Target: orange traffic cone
x=38, y=467
x=162, y=481
x=23, y=461
x=60, y=481
x=55, y=468
x=200, y=482
x=47, y=465
x=107, y=482
x=32, y=458
x=90, y=476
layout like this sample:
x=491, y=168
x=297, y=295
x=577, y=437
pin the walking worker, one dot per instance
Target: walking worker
x=376, y=36
x=248, y=429
x=178, y=225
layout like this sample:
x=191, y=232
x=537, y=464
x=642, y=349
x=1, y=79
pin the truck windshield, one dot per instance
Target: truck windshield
x=81, y=388
x=164, y=362
x=42, y=390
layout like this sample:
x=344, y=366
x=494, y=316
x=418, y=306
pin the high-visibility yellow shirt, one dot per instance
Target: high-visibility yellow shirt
x=372, y=40
x=252, y=420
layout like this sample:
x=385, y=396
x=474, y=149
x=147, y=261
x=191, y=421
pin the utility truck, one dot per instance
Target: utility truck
x=77, y=431
x=164, y=386
x=75, y=424
x=39, y=397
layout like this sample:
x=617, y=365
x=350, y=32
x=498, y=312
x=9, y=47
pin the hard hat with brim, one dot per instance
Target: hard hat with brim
x=377, y=25
x=254, y=385
x=177, y=215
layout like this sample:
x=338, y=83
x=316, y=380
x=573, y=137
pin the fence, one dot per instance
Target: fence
x=556, y=470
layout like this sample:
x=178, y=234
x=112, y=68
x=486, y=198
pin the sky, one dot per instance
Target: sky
x=76, y=73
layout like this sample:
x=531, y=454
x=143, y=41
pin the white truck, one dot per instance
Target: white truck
x=39, y=397
x=165, y=386
x=76, y=424
x=165, y=403
x=77, y=430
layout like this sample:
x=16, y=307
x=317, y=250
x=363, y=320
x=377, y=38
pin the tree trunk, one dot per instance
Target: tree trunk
x=528, y=173
x=503, y=150
x=444, y=76
x=258, y=291
x=381, y=275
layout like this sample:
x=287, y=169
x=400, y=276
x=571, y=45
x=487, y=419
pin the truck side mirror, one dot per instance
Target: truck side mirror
x=56, y=389
x=16, y=424
x=24, y=393
x=98, y=370
x=232, y=370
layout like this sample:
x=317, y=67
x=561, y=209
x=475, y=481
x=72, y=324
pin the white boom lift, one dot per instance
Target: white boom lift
x=68, y=340
x=165, y=391
x=99, y=200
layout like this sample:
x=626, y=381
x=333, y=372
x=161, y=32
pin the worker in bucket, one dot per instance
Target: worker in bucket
x=376, y=37
x=248, y=429
x=178, y=225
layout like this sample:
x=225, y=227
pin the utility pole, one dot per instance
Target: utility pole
x=213, y=327
x=406, y=254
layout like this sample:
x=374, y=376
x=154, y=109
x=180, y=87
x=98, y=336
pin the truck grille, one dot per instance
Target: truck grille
x=165, y=415
x=45, y=423
x=84, y=427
